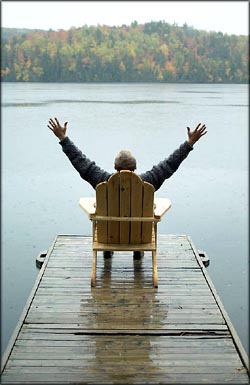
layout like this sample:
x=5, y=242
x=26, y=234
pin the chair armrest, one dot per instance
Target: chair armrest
x=161, y=206
x=88, y=205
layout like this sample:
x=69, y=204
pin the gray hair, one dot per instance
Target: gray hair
x=125, y=161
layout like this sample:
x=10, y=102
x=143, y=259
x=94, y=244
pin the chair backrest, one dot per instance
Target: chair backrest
x=124, y=195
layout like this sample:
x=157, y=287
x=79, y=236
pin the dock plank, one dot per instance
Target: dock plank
x=124, y=330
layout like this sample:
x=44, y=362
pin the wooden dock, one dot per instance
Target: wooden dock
x=124, y=331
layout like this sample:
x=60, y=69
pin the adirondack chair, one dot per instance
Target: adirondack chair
x=124, y=215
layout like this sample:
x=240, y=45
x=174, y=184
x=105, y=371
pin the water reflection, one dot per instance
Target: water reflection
x=124, y=309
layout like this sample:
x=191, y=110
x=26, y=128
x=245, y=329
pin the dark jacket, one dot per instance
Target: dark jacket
x=93, y=174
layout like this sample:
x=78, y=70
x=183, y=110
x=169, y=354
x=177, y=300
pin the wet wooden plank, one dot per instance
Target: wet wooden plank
x=124, y=330
x=112, y=375
x=223, y=370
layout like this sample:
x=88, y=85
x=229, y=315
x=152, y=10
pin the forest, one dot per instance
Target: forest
x=150, y=52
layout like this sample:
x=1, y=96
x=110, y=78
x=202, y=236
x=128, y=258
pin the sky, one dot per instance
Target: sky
x=231, y=17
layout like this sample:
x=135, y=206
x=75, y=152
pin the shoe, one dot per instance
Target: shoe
x=138, y=254
x=108, y=254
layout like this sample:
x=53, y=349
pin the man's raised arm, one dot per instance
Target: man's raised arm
x=166, y=168
x=87, y=169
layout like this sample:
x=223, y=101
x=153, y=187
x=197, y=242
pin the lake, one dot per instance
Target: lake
x=41, y=189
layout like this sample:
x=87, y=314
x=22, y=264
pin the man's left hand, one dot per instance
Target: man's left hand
x=194, y=136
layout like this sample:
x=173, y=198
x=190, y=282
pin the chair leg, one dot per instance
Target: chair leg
x=155, y=273
x=93, y=274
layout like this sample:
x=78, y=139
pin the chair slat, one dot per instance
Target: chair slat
x=102, y=209
x=136, y=208
x=125, y=199
x=114, y=208
x=148, y=211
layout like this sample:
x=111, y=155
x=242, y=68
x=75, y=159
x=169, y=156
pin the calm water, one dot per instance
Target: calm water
x=209, y=192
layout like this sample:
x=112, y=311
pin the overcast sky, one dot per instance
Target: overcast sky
x=229, y=17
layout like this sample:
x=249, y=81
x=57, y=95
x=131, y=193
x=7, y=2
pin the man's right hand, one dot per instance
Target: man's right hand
x=58, y=130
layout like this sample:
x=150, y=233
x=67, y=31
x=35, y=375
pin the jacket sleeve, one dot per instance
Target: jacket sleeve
x=165, y=169
x=87, y=169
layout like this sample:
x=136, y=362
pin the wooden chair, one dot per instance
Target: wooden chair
x=124, y=216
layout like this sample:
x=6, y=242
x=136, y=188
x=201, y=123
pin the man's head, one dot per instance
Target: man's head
x=125, y=161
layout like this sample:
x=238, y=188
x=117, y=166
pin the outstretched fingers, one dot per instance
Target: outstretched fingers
x=51, y=121
x=53, y=124
x=197, y=127
x=202, y=131
x=203, y=128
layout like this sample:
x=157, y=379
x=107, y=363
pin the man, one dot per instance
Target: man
x=93, y=174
